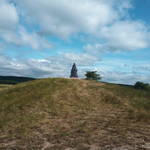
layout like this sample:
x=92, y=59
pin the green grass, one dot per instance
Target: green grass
x=62, y=113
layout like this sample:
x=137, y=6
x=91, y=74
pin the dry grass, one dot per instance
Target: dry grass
x=2, y=86
x=73, y=114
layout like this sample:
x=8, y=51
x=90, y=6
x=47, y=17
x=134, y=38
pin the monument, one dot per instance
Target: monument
x=74, y=71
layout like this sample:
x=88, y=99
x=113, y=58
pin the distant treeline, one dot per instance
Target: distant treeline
x=14, y=79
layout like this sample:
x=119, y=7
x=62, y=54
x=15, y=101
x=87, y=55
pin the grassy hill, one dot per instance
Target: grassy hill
x=70, y=114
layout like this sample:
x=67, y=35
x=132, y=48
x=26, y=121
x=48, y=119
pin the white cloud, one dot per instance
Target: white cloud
x=23, y=38
x=65, y=17
x=121, y=36
x=123, y=7
x=31, y=68
x=4, y=61
x=12, y=32
x=79, y=59
x=119, y=77
x=34, y=40
x=8, y=16
x=143, y=68
x=126, y=35
x=97, y=48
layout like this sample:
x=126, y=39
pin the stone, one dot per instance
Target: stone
x=74, y=72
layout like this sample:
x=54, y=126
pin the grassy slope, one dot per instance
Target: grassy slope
x=79, y=114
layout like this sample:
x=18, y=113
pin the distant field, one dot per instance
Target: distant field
x=62, y=114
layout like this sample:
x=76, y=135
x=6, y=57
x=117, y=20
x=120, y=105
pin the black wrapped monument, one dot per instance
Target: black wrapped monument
x=74, y=71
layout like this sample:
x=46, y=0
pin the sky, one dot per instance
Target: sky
x=43, y=38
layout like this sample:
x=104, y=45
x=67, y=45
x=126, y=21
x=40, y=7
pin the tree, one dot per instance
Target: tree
x=92, y=75
x=142, y=86
x=139, y=85
x=146, y=87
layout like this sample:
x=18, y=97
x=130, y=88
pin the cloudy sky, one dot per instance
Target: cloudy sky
x=43, y=38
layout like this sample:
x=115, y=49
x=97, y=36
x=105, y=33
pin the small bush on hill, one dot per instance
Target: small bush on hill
x=92, y=75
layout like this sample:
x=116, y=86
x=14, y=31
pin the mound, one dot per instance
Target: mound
x=58, y=113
